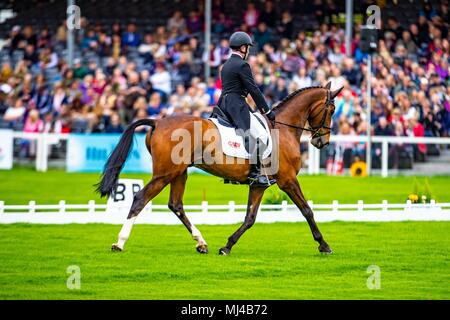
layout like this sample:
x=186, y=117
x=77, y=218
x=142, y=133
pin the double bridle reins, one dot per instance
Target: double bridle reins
x=315, y=131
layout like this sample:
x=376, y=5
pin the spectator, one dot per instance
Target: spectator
x=161, y=79
x=286, y=27
x=28, y=37
x=262, y=35
x=222, y=24
x=292, y=63
x=148, y=48
x=269, y=15
x=383, y=128
x=350, y=73
x=416, y=129
x=89, y=41
x=15, y=39
x=214, y=56
x=14, y=114
x=141, y=114
x=114, y=126
x=48, y=59
x=177, y=22
x=345, y=149
x=131, y=38
x=194, y=22
x=59, y=99
x=251, y=16
x=224, y=50
x=407, y=42
x=155, y=105
x=33, y=123
x=279, y=91
x=31, y=56
x=345, y=105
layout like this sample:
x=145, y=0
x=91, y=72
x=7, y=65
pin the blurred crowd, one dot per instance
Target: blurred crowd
x=122, y=74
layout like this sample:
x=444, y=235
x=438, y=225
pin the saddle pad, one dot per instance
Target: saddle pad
x=233, y=144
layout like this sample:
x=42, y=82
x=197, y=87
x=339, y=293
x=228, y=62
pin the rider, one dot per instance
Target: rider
x=237, y=83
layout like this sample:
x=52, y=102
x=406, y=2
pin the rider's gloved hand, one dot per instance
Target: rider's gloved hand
x=271, y=115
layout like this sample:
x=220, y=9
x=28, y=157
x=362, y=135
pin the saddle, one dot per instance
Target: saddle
x=221, y=117
x=234, y=144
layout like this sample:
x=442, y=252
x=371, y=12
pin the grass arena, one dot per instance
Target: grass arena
x=298, y=150
x=280, y=260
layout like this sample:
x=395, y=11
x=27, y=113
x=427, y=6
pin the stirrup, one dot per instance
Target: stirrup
x=261, y=181
x=255, y=178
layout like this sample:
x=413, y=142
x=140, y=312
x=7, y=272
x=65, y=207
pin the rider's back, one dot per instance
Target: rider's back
x=231, y=79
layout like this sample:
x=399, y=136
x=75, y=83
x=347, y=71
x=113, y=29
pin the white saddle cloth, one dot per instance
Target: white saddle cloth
x=233, y=144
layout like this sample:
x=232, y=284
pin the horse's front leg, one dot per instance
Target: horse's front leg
x=254, y=200
x=293, y=190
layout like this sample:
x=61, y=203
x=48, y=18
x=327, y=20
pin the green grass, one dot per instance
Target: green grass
x=21, y=185
x=271, y=261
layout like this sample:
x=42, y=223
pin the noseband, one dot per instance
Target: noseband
x=315, y=131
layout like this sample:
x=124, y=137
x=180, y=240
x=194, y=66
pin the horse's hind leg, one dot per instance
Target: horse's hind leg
x=151, y=190
x=176, y=205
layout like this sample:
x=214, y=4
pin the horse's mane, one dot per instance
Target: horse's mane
x=293, y=94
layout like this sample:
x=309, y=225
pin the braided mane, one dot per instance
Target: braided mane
x=293, y=94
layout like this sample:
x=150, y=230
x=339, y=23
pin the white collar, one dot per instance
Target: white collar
x=238, y=54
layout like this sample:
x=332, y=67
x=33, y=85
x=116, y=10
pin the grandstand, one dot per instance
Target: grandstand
x=160, y=73
x=48, y=13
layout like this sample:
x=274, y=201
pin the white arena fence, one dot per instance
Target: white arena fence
x=44, y=140
x=230, y=213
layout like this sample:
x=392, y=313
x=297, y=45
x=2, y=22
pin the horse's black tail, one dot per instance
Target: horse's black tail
x=116, y=160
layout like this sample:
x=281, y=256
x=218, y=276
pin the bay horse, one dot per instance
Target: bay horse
x=314, y=105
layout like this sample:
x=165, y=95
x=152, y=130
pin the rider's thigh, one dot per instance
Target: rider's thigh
x=257, y=130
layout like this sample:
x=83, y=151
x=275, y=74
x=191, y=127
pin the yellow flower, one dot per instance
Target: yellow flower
x=358, y=169
x=413, y=197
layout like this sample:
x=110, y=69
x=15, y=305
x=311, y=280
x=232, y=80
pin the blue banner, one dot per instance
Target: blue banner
x=89, y=152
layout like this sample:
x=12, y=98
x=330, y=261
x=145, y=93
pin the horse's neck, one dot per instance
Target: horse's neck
x=295, y=113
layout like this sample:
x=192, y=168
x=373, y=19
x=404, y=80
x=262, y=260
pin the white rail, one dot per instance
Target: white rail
x=45, y=139
x=222, y=214
x=314, y=154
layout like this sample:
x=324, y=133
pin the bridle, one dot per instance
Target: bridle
x=315, y=131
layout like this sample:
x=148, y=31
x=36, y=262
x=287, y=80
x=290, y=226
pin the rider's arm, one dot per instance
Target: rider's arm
x=252, y=88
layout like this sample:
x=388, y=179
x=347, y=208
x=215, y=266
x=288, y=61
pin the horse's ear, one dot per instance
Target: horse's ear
x=328, y=85
x=336, y=92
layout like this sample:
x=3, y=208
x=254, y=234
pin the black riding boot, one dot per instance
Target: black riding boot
x=255, y=177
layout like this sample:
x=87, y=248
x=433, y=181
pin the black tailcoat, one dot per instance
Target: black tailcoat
x=237, y=83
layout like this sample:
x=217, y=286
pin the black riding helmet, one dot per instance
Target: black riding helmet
x=240, y=38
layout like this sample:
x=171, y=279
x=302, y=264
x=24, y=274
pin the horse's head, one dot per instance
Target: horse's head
x=320, y=118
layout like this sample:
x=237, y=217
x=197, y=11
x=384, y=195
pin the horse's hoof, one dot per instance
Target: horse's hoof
x=203, y=248
x=116, y=248
x=224, y=251
x=325, y=249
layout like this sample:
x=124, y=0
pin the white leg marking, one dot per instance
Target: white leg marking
x=196, y=235
x=125, y=232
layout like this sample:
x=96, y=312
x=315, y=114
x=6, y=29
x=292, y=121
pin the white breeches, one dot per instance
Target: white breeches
x=257, y=130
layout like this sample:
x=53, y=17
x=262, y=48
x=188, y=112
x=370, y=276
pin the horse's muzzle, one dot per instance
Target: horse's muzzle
x=320, y=142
